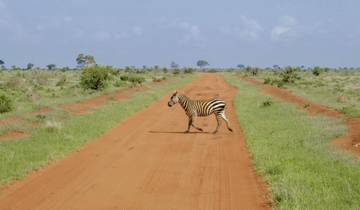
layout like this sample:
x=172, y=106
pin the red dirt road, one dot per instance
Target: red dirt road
x=146, y=162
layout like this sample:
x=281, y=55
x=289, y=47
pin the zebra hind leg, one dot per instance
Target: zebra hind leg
x=226, y=121
x=218, y=120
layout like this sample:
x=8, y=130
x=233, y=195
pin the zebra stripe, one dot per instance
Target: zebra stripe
x=200, y=108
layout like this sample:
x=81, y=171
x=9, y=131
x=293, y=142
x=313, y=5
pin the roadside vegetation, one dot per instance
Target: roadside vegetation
x=292, y=151
x=338, y=89
x=64, y=133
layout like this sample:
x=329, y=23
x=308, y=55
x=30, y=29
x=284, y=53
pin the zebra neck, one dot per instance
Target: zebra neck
x=183, y=101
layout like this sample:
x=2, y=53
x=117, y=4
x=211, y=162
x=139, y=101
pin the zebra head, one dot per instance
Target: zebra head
x=173, y=99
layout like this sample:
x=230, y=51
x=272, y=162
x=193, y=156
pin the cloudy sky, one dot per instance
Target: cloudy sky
x=156, y=32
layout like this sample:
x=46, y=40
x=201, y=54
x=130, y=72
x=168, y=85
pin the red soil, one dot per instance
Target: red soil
x=147, y=162
x=350, y=141
x=13, y=134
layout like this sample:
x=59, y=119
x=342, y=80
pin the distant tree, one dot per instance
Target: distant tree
x=156, y=67
x=51, y=66
x=85, y=60
x=202, y=63
x=29, y=66
x=241, y=66
x=276, y=66
x=174, y=65
x=2, y=64
x=13, y=67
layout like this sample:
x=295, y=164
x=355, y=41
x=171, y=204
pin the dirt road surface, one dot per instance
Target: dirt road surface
x=147, y=162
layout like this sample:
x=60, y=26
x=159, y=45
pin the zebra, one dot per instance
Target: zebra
x=200, y=108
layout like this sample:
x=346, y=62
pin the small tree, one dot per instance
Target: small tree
x=276, y=67
x=85, y=60
x=202, y=63
x=29, y=66
x=174, y=65
x=241, y=66
x=51, y=66
x=2, y=64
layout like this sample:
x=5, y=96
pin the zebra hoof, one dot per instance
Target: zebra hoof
x=230, y=129
x=187, y=131
x=200, y=129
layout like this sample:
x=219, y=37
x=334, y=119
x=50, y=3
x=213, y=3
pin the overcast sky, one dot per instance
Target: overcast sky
x=156, y=32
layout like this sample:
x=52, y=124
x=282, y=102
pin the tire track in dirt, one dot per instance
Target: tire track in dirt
x=350, y=141
x=147, y=162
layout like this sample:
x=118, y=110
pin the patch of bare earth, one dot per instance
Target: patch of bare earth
x=350, y=141
x=147, y=162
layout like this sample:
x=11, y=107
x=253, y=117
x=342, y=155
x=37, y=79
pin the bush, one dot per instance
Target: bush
x=94, y=77
x=124, y=77
x=267, y=80
x=267, y=102
x=6, y=104
x=252, y=71
x=119, y=83
x=136, y=80
x=290, y=75
x=158, y=78
x=316, y=71
x=61, y=81
x=189, y=71
x=176, y=71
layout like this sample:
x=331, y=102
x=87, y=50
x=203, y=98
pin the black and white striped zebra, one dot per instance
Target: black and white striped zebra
x=200, y=108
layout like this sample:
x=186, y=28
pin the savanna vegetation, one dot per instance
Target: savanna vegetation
x=292, y=151
x=63, y=132
x=335, y=88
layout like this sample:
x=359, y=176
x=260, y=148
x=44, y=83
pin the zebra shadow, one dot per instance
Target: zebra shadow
x=181, y=132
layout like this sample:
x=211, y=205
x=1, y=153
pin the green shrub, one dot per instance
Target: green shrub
x=253, y=71
x=6, y=104
x=94, y=77
x=267, y=80
x=119, y=83
x=189, y=71
x=124, y=77
x=176, y=71
x=158, y=78
x=316, y=71
x=61, y=81
x=290, y=75
x=136, y=80
x=267, y=102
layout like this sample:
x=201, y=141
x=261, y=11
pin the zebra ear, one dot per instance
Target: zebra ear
x=175, y=92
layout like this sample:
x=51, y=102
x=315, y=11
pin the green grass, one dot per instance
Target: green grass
x=31, y=90
x=292, y=151
x=339, y=90
x=57, y=139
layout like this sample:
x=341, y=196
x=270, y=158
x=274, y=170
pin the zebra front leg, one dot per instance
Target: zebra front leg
x=199, y=129
x=189, y=125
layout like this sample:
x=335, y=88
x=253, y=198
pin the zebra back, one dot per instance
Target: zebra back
x=201, y=107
